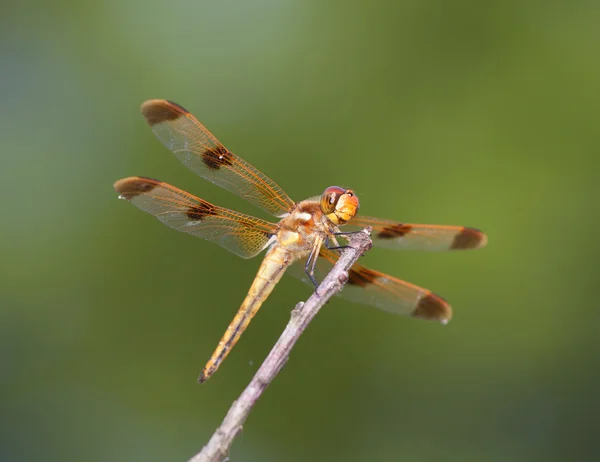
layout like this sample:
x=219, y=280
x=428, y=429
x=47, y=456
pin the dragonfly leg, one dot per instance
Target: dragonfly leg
x=336, y=245
x=311, y=262
x=347, y=233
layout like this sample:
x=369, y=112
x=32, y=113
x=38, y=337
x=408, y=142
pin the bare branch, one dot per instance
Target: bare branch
x=217, y=449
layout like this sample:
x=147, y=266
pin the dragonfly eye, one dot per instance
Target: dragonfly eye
x=330, y=198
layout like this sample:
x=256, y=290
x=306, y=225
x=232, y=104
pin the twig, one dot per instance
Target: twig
x=217, y=449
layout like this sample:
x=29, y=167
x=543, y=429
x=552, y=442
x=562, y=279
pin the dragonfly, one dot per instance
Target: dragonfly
x=308, y=231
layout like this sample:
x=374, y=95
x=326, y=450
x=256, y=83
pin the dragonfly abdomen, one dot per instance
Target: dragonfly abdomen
x=270, y=272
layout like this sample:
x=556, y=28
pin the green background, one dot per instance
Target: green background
x=471, y=113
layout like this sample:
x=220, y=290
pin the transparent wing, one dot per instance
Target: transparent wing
x=241, y=234
x=202, y=153
x=406, y=236
x=370, y=287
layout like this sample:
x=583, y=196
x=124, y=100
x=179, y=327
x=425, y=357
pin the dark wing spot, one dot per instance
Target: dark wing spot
x=216, y=157
x=200, y=211
x=156, y=111
x=361, y=277
x=128, y=188
x=433, y=307
x=468, y=238
x=149, y=179
x=394, y=231
x=179, y=107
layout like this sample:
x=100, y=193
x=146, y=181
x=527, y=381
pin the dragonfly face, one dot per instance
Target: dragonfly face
x=339, y=205
x=307, y=230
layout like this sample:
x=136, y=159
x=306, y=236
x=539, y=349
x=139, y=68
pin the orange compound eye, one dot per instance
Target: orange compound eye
x=330, y=198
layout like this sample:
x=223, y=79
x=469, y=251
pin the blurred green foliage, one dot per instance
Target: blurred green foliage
x=475, y=113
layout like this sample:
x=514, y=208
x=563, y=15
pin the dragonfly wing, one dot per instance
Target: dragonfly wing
x=205, y=155
x=370, y=287
x=241, y=234
x=406, y=236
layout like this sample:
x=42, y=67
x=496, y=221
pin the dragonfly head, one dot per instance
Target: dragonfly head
x=339, y=205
